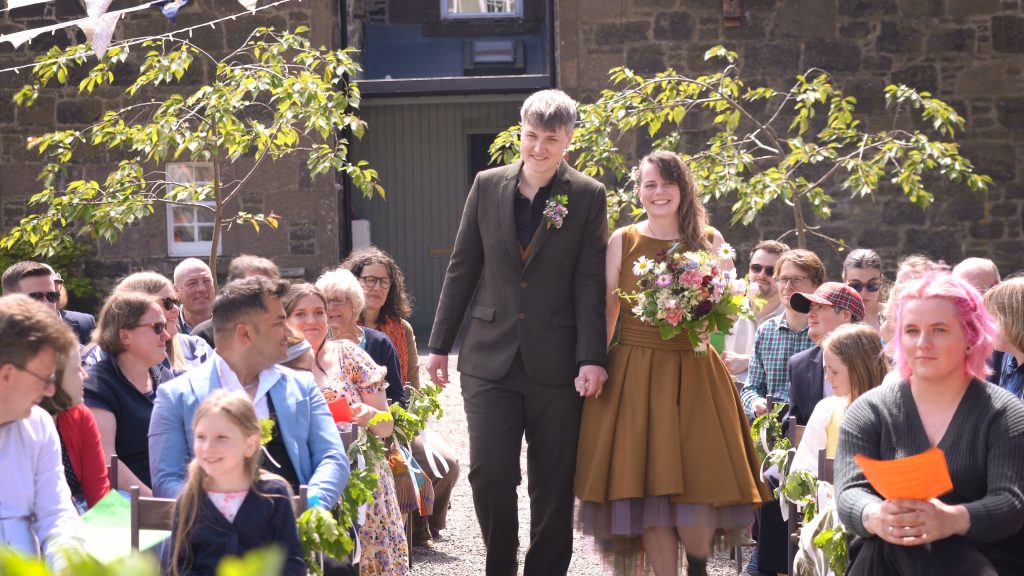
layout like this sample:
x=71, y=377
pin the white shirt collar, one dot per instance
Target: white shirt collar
x=229, y=381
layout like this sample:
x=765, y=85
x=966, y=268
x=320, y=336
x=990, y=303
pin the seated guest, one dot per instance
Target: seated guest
x=193, y=282
x=120, y=388
x=1005, y=301
x=252, y=338
x=862, y=271
x=388, y=307
x=344, y=303
x=981, y=273
x=85, y=465
x=854, y=364
x=81, y=324
x=241, y=266
x=39, y=282
x=944, y=336
x=36, y=513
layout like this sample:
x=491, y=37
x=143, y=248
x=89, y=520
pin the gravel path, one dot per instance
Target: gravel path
x=460, y=551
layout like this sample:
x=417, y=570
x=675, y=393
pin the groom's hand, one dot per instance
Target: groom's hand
x=437, y=369
x=590, y=380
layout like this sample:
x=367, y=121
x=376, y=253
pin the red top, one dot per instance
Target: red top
x=81, y=438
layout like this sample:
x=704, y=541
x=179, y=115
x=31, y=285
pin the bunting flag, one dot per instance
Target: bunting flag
x=98, y=31
x=18, y=38
x=12, y=4
x=171, y=8
x=96, y=8
x=248, y=4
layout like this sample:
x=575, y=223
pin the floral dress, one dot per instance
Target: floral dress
x=385, y=550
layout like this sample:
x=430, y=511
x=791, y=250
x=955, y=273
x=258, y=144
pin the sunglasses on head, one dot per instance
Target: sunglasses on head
x=758, y=268
x=158, y=327
x=859, y=286
x=51, y=297
x=170, y=303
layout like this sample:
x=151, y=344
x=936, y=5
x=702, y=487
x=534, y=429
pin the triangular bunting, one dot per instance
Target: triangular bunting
x=98, y=31
x=96, y=8
x=12, y=4
x=248, y=4
x=171, y=8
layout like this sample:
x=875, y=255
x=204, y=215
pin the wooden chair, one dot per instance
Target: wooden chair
x=826, y=468
x=149, y=514
x=112, y=471
x=796, y=434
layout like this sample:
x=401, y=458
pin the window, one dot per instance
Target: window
x=481, y=8
x=189, y=228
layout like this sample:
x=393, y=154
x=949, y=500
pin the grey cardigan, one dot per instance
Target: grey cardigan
x=984, y=447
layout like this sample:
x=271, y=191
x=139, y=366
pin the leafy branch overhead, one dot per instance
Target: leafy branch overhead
x=760, y=145
x=273, y=97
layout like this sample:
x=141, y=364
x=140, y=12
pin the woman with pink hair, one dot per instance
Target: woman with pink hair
x=943, y=337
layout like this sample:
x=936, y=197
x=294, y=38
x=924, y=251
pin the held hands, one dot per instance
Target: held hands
x=736, y=363
x=590, y=381
x=916, y=522
x=760, y=406
x=437, y=369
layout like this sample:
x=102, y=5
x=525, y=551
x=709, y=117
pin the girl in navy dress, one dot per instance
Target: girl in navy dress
x=229, y=506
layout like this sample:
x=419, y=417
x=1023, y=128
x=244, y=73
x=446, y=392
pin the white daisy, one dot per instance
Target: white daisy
x=642, y=266
x=726, y=252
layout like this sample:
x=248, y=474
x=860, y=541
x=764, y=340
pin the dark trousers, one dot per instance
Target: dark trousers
x=498, y=414
x=953, y=556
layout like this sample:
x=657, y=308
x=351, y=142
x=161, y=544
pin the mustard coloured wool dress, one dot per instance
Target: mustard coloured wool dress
x=666, y=443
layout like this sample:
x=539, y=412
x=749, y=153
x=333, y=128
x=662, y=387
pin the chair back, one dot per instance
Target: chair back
x=796, y=432
x=301, y=502
x=149, y=514
x=826, y=468
x=112, y=471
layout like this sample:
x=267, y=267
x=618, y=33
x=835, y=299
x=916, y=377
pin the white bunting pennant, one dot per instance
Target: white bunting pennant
x=12, y=4
x=248, y=4
x=96, y=8
x=98, y=31
x=18, y=38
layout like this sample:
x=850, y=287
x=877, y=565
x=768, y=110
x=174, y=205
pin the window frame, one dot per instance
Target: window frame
x=516, y=14
x=178, y=248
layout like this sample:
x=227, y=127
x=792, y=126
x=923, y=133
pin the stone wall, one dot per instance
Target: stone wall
x=308, y=236
x=969, y=53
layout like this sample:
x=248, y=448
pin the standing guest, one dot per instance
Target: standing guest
x=740, y=342
x=39, y=282
x=862, y=271
x=690, y=469
x=981, y=273
x=1005, y=301
x=343, y=371
x=193, y=282
x=388, y=307
x=344, y=302
x=230, y=506
x=36, y=513
x=85, y=464
x=252, y=337
x=917, y=266
x=782, y=336
x=829, y=307
x=533, y=286
x=240, y=267
x=120, y=388
x=183, y=350
x=854, y=364
x=943, y=338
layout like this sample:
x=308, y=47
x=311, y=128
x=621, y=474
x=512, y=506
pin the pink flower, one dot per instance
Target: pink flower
x=691, y=278
x=674, y=317
x=664, y=280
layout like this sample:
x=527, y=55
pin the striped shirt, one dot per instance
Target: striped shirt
x=768, y=374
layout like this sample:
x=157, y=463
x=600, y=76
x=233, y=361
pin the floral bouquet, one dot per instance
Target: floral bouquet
x=688, y=290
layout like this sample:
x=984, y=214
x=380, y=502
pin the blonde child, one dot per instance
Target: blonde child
x=229, y=506
x=854, y=364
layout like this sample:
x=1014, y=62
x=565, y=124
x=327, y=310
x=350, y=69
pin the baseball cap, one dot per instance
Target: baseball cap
x=835, y=294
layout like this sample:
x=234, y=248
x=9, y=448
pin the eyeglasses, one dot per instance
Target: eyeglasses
x=758, y=268
x=860, y=286
x=51, y=381
x=374, y=281
x=158, y=327
x=170, y=303
x=337, y=301
x=794, y=280
x=51, y=297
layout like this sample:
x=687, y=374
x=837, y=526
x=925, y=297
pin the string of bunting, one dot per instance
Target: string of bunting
x=99, y=25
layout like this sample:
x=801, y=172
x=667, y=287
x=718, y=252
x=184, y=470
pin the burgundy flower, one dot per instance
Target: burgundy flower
x=703, y=309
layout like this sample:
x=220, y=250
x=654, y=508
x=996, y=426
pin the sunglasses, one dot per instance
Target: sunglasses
x=170, y=303
x=870, y=286
x=158, y=327
x=758, y=268
x=51, y=297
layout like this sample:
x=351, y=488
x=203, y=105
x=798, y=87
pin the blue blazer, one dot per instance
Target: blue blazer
x=307, y=428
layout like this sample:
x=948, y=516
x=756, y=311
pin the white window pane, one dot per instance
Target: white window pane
x=204, y=216
x=183, y=215
x=184, y=234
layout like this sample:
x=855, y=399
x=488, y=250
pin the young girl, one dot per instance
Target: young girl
x=228, y=506
x=854, y=364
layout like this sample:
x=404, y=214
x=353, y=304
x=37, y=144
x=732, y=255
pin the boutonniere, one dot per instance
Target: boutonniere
x=555, y=211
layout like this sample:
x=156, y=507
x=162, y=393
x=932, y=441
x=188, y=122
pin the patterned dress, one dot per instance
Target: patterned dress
x=385, y=549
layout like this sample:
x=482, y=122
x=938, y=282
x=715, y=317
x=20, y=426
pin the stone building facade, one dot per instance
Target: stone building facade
x=969, y=53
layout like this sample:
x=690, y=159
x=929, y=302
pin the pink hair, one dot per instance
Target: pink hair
x=978, y=326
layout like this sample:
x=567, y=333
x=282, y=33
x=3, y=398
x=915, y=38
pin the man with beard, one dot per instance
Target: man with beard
x=740, y=342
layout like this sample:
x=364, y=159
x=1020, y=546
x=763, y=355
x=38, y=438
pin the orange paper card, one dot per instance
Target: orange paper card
x=341, y=411
x=921, y=477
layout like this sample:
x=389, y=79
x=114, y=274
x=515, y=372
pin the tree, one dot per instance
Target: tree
x=766, y=145
x=272, y=97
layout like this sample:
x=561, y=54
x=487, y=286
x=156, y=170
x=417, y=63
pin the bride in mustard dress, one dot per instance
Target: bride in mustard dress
x=665, y=457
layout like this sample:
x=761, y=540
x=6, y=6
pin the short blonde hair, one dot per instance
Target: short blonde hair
x=343, y=282
x=1005, y=301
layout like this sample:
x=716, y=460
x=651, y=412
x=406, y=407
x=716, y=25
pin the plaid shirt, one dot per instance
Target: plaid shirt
x=768, y=374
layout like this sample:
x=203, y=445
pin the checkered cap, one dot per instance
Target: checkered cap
x=834, y=294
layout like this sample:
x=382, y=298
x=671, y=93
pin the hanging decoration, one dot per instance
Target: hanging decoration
x=99, y=31
x=12, y=4
x=171, y=8
x=96, y=8
x=18, y=38
x=248, y=4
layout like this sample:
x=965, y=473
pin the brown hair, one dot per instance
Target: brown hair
x=693, y=218
x=769, y=246
x=291, y=301
x=27, y=327
x=398, y=304
x=1005, y=301
x=860, y=350
x=240, y=298
x=25, y=269
x=149, y=282
x=239, y=409
x=248, y=265
x=807, y=261
x=121, y=310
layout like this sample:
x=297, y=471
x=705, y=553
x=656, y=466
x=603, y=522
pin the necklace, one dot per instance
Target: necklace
x=654, y=233
x=251, y=386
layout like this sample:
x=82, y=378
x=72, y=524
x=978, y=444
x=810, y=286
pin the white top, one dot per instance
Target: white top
x=815, y=436
x=35, y=501
x=740, y=340
x=229, y=381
